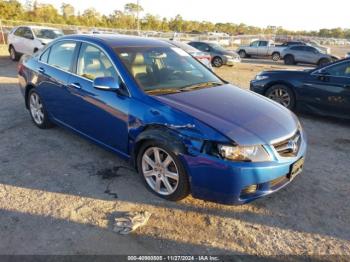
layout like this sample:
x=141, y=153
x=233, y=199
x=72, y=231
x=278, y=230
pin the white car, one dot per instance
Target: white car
x=29, y=39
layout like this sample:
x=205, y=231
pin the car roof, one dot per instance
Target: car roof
x=38, y=27
x=119, y=40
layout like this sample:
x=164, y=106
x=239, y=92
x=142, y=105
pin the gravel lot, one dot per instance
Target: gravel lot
x=59, y=194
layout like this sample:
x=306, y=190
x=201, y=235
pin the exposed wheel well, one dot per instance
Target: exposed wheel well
x=157, y=133
x=27, y=89
x=276, y=52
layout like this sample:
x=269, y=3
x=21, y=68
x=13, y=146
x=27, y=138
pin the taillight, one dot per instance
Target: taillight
x=20, y=68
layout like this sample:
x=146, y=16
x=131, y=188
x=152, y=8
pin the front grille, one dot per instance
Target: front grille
x=289, y=147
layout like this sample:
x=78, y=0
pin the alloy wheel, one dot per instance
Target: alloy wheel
x=36, y=108
x=281, y=96
x=160, y=171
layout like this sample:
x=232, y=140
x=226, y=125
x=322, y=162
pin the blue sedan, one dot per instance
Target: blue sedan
x=324, y=90
x=183, y=128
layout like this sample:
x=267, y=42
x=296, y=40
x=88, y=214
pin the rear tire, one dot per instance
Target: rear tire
x=13, y=54
x=172, y=187
x=37, y=110
x=323, y=61
x=289, y=60
x=283, y=95
x=276, y=57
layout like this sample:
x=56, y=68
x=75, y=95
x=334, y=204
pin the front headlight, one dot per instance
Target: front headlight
x=228, y=56
x=261, y=77
x=244, y=153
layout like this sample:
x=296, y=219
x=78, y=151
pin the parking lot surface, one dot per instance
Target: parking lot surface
x=59, y=194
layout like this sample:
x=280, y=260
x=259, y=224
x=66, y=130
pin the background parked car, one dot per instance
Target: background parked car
x=324, y=90
x=220, y=56
x=29, y=39
x=305, y=54
x=320, y=47
x=290, y=43
x=261, y=48
x=203, y=57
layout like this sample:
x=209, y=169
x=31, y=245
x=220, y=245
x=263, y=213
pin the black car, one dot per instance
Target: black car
x=220, y=56
x=324, y=90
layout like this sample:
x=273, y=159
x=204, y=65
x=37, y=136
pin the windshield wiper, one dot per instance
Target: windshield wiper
x=162, y=91
x=201, y=85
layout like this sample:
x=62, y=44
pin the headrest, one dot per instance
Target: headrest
x=139, y=59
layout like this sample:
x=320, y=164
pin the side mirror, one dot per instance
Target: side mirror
x=106, y=83
x=323, y=75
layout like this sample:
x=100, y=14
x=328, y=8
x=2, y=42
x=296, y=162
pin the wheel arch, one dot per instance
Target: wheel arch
x=162, y=134
x=280, y=82
x=26, y=93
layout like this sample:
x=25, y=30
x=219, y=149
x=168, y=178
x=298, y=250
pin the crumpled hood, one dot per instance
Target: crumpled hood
x=243, y=116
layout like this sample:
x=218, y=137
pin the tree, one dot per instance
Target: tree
x=67, y=10
x=132, y=8
x=91, y=17
x=11, y=10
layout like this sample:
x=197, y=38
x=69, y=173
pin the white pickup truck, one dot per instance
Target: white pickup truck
x=261, y=48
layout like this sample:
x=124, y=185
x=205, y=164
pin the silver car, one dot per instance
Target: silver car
x=305, y=54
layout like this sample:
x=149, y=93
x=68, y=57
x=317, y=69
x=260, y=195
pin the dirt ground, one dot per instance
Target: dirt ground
x=59, y=194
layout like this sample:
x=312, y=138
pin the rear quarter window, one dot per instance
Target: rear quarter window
x=45, y=55
x=61, y=55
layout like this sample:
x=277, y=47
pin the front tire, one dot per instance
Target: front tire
x=217, y=62
x=323, y=61
x=283, y=95
x=13, y=54
x=162, y=171
x=37, y=110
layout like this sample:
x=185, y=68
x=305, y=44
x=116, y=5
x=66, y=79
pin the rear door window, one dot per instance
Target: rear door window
x=263, y=43
x=61, y=55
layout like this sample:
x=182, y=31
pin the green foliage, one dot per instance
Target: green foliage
x=33, y=11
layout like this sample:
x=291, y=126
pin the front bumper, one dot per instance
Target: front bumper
x=231, y=182
x=259, y=86
x=232, y=61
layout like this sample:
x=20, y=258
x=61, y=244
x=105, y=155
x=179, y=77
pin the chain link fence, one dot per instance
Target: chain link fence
x=222, y=39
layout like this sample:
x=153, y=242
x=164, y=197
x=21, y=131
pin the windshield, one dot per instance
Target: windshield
x=217, y=47
x=47, y=33
x=164, y=70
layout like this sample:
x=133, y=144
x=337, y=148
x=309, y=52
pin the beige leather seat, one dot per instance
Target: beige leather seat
x=138, y=67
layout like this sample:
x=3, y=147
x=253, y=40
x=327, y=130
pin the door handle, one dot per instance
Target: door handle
x=74, y=85
x=41, y=70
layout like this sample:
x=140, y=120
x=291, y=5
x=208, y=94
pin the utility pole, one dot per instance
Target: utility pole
x=2, y=33
x=137, y=15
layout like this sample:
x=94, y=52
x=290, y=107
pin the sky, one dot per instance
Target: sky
x=292, y=14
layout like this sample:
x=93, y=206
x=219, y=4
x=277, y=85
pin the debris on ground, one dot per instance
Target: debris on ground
x=131, y=221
